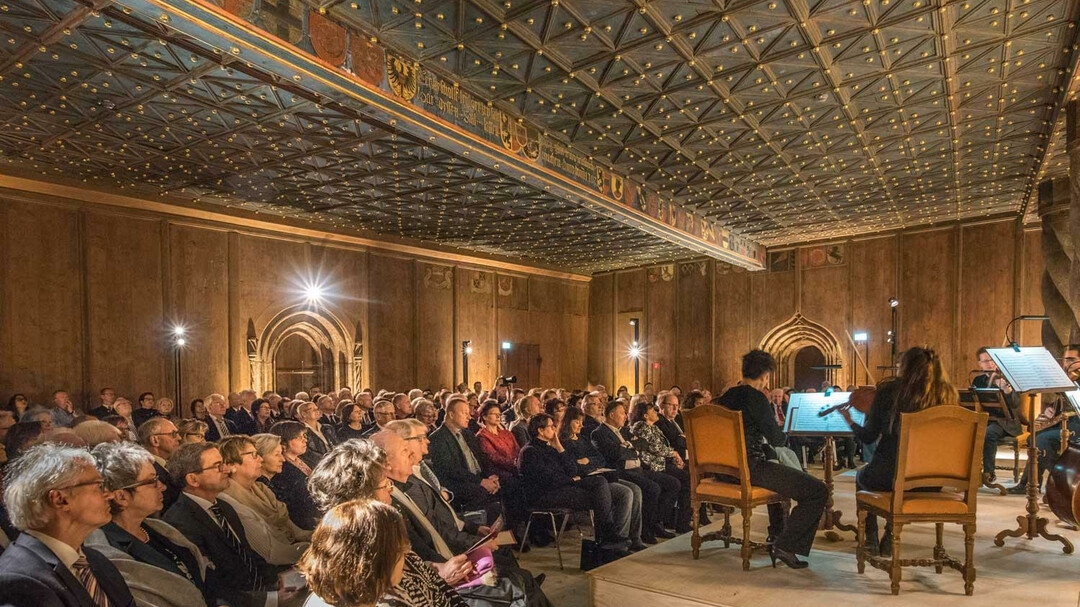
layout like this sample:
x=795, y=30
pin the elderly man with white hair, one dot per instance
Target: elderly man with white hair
x=56, y=497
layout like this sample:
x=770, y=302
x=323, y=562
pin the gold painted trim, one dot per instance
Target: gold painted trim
x=99, y=198
x=466, y=140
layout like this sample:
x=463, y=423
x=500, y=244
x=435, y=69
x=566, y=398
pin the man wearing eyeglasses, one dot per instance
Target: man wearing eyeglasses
x=56, y=497
x=160, y=437
x=215, y=528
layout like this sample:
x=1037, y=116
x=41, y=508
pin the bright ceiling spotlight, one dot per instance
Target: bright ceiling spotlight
x=635, y=352
x=314, y=293
x=179, y=331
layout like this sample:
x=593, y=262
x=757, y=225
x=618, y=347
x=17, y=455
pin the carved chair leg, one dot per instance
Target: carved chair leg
x=894, y=568
x=726, y=529
x=860, y=539
x=695, y=519
x=939, y=547
x=746, y=548
x=969, y=559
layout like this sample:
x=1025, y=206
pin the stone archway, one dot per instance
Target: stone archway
x=320, y=328
x=796, y=333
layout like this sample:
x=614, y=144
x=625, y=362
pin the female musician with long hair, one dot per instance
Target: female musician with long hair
x=921, y=383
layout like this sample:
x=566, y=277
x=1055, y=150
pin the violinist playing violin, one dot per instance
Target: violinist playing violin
x=998, y=427
x=1047, y=430
x=921, y=383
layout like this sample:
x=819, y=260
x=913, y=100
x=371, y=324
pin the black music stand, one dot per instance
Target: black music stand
x=1031, y=371
x=803, y=419
x=992, y=402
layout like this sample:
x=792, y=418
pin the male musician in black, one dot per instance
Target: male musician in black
x=998, y=427
x=1048, y=423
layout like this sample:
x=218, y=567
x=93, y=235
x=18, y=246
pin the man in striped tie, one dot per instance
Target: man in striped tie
x=56, y=497
x=240, y=576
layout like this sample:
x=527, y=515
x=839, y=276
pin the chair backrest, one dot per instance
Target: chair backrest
x=715, y=444
x=940, y=446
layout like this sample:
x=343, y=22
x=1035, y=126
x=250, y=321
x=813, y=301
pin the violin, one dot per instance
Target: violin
x=861, y=400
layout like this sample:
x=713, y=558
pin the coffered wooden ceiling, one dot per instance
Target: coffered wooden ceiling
x=782, y=120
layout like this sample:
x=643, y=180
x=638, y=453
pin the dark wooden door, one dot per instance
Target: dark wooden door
x=523, y=360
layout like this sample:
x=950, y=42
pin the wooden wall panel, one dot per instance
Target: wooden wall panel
x=774, y=298
x=199, y=270
x=873, y=282
x=630, y=290
x=928, y=285
x=658, y=345
x=476, y=321
x=693, y=360
x=601, y=356
x=41, y=303
x=986, y=290
x=1030, y=297
x=346, y=273
x=129, y=334
x=391, y=322
x=435, y=351
x=732, y=310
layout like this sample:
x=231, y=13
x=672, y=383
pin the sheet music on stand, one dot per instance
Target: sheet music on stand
x=803, y=419
x=1074, y=399
x=1031, y=370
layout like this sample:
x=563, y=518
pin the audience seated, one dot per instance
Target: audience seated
x=192, y=431
x=498, y=446
x=245, y=464
x=290, y=485
x=262, y=413
x=455, y=458
x=320, y=436
x=352, y=422
x=214, y=527
x=382, y=413
x=551, y=480
x=658, y=456
x=161, y=439
x=659, y=492
x=94, y=432
x=218, y=426
x=160, y=566
x=108, y=397
x=55, y=495
x=524, y=409
x=62, y=409
x=145, y=410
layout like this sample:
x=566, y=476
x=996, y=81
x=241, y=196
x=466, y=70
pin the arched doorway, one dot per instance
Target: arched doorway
x=798, y=333
x=302, y=341
x=298, y=365
x=808, y=369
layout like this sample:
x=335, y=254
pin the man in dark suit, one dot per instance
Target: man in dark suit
x=593, y=408
x=160, y=437
x=47, y=565
x=658, y=491
x=669, y=412
x=218, y=426
x=215, y=528
x=239, y=412
x=455, y=457
x=108, y=396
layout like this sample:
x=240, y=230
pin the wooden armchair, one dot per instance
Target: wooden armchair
x=716, y=445
x=939, y=447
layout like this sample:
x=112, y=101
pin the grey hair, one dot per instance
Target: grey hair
x=383, y=404
x=96, y=432
x=151, y=427
x=265, y=443
x=187, y=460
x=405, y=427
x=120, y=463
x=39, y=470
x=349, y=471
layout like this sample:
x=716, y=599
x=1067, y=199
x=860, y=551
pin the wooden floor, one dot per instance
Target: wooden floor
x=1028, y=573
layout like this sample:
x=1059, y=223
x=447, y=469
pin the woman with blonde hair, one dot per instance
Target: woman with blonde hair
x=921, y=383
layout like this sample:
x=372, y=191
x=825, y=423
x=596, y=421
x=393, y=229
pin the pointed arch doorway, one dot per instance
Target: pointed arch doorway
x=798, y=344
x=302, y=347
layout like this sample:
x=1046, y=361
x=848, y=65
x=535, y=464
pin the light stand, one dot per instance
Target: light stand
x=466, y=350
x=179, y=341
x=894, y=334
x=635, y=352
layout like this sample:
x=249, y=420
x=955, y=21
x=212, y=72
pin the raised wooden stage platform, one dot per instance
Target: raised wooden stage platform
x=1024, y=573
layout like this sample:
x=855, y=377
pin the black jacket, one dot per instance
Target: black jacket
x=202, y=530
x=172, y=490
x=31, y=575
x=212, y=434
x=290, y=487
x=440, y=516
x=244, y=422
x=759, y=420
x=609, y=446
x=317, y=448
x=141, y=416
x=448, y=462
x=543, y=469
x=674, y=434
x=146, y=553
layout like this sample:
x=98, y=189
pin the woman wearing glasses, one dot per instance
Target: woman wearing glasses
x=160, y=566
x=290, y=485
x=273, y=543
